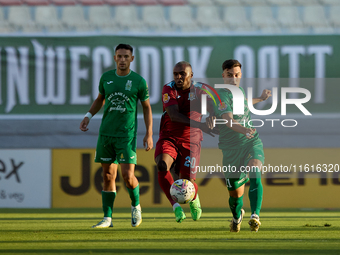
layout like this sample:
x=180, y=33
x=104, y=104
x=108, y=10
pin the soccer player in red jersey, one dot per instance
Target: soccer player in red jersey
x=180, y=135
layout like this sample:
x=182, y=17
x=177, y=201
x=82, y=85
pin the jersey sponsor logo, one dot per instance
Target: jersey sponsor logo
x=105, y=159
x=222, y=106
x=109, y=82
x=166, y=98
x=128, y=85
x=191, y=96
x=118, y=100
x=118, y=108
x=118, y=105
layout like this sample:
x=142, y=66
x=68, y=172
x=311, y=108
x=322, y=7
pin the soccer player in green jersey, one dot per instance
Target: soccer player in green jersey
x=241, y=148
x=119, y=91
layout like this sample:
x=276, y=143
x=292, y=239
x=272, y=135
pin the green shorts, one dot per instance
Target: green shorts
x=236, y=161
x=117, y=150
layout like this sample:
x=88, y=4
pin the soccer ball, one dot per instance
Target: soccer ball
x=182, y=191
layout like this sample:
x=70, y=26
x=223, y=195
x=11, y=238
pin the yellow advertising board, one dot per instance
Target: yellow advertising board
x=77, y=180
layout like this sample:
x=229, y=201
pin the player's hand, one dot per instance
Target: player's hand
x=266, y=93
x=210, y=121
x=215, y=131
x=249, y=132
x=204, y=127
x=148, y=142
x=83, y=125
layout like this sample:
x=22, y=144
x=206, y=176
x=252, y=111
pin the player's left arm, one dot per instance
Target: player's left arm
x=266, y=93
x=143, y=95
x=147, y=141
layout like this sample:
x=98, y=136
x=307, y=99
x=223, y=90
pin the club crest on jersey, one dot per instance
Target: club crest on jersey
x=166, y=98
x=128, y=85
x=222, y=106
x=191, y=96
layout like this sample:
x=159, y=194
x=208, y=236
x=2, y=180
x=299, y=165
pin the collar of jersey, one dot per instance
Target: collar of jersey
x=122, y=76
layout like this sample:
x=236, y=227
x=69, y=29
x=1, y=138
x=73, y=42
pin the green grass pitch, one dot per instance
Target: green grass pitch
x=68, y=231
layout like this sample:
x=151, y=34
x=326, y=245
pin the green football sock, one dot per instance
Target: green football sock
x=236, y=205
x=134, y=195
x=255, y=192
x=108, y=197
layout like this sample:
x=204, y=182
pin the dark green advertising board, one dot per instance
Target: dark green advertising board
x=58, y=76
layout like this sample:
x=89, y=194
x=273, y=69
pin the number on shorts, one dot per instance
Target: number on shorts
x=190, y=162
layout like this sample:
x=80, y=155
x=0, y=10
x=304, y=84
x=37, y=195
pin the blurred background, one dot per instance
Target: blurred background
x=53, y=52
x=164, y=16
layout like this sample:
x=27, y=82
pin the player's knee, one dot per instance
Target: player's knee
x=235, y=194
x=127, y=177
x=255, y=173
x=255, y=163
x=107, y=178
x=161, y=166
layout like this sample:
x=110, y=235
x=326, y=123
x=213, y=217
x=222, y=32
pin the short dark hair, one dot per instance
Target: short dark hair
x=230, y=63
x=124, y=46
x=183, y=63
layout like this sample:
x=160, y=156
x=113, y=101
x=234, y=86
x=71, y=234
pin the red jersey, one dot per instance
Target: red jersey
x=189, y=104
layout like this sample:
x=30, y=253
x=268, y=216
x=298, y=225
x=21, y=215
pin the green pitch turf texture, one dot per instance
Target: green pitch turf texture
x=68, y=231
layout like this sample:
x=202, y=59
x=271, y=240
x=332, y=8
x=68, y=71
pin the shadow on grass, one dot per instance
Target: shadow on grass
x=198, y=230
x=227, y=238
x=169, y=251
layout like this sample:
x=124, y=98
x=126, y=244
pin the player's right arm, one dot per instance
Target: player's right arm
x=95, y=107
x=266, y=93
x=170, y=105
x=237, y=127
x=176, y=116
